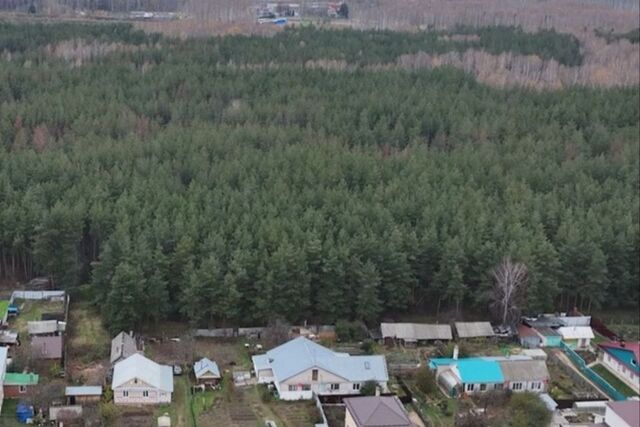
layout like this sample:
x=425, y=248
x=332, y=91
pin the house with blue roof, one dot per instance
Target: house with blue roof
x=480, y=374
x=623, y=360
x=206, y=372
x=301, y=367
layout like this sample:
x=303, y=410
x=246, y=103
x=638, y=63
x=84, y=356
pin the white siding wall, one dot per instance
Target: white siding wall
x=532, y=386
x=621, y=371
x=128, y=395
x=348, y=420
x=326, y=384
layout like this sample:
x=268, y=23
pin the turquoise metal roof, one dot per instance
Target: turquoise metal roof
x=473, y=370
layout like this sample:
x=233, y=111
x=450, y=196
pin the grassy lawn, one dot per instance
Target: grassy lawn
x=89, y=340
x=203, y=401
x=179, y=410
x=8, y=415
x=614, y=381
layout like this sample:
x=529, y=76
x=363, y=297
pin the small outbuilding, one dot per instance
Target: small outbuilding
x=474, y=329
x=414, y=333
x=123, y=346
x=528, y=337
x=18, y=384
x=576, y=337
x=83, y=394
x=47, y=347
x=206, y=372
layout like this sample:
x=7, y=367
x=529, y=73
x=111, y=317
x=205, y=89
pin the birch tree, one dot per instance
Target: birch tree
x=510, y=284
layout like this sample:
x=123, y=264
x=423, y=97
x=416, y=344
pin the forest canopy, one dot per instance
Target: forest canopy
x=182, y=186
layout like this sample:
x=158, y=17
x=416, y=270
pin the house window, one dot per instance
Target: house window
x=293, y=388
x=483, y=387
x=22, y=389
x=498, y=386
x=145, y=393
x=356, y=386
x=306, y=387
x=135, y=381
x=314, y=375
x=516, y=386
x=470, y=387
x=125, y=393
x=335, y=387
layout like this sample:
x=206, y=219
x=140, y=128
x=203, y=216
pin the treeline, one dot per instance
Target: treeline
x=20, y=38
x=181, y=189
x=633, y=36
x=299, y=45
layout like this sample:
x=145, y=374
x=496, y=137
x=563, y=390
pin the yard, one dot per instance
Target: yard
x=31, y=310
x=8, y=415
x=88, y=344
x=623, y=322
x=180, y=408
x=613, y=380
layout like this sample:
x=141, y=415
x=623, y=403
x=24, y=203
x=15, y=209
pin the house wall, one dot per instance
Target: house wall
x=84, y=399
x=621, y=371
x=577, y=344
x=551, y=341
x=538, y=386
x=292, y=388
x=477, y=388
x=348, y=420
x=12, y=391
x=265, y=376
x=126, y=395
x=135, y=394
x=530, y=341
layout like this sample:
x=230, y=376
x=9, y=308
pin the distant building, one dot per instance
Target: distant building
x=375, y=411
x=622, y=359
x=550, y=337
x=300, y=368
x=139, y=381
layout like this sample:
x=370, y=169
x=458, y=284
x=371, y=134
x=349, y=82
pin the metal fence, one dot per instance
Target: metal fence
x=591, y=374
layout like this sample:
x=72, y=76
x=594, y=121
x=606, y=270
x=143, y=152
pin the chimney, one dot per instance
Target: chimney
x=456, y=351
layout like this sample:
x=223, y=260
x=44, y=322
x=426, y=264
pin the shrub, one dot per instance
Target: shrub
x=369, y=388
x=426, y=381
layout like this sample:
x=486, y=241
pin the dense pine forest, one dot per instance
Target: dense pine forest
x=232, y=180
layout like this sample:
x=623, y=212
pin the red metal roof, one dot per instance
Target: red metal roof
x=630, y=346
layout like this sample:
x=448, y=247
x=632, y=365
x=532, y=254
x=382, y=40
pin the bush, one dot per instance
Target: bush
x=367, y=346
x=426, y=381
x=369, y=388
x=350, y=331
x=108, y=412
x=265, y=394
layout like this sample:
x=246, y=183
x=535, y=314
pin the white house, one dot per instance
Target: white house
x=623, y=360
x=139, y=381
x=300, y=368
x=576, y=337
x=3, y=371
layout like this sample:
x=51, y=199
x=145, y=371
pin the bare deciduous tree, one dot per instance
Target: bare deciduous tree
x=511, y=281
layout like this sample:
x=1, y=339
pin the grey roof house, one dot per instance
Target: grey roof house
x=123, y=346
x=474, y=329
x=45, y=327
x=375, y=411
x=300, y=368
x=206, y=371
x=46, y=347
